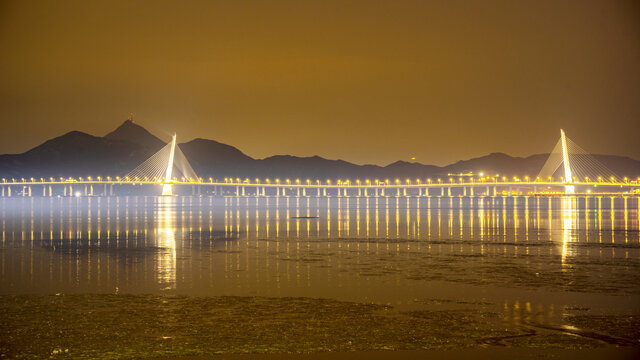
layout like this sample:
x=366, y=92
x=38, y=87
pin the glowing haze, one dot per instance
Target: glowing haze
x=364, y=81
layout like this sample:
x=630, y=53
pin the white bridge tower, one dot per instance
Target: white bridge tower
x=166, y=187
x=568, y=176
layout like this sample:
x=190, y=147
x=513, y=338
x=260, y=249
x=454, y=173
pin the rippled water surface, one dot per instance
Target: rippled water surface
x=333, y=274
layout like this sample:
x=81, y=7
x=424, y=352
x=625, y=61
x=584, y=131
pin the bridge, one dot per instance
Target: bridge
x=568, y=170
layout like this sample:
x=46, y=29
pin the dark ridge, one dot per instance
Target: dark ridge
x=133, y=133
x=80, y=154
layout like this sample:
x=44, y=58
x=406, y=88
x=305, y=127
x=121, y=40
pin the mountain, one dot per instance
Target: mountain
x=80, y=154
x=133, y=133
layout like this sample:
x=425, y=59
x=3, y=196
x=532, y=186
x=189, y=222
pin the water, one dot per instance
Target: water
x=515, y=271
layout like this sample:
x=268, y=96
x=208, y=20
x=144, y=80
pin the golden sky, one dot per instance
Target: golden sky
x=363, y=81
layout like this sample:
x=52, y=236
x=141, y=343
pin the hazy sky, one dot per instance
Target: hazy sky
x=363, y=81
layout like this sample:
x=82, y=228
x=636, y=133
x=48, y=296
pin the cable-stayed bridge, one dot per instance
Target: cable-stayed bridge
x=568, y=170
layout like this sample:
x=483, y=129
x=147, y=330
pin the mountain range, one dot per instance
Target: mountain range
x=79, y=154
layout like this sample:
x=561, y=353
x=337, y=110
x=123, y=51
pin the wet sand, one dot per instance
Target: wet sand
x=103, y=326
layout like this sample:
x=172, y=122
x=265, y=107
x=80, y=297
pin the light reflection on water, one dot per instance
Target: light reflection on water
x=397, y=251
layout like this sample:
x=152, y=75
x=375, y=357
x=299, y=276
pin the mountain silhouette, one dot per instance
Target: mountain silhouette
x=76, y=154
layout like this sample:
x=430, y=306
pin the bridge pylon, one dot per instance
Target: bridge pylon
x=578, y=166
x=159, y=168
x=167, y=189
x=568, y=177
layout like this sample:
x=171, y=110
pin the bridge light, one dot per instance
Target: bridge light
x=612, y=179
x=297, y=181
x=277, y=181
x=288, y=181
x=257, y=181
x=368, y=181
x=599, y=178
x=439, y=181
x=308, y=181
x=626, y=179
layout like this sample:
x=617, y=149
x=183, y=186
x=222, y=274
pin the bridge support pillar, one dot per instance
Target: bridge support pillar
x=29, y=190
x=298, y=191
x=449, y=191
x=464, y=191
x=243, y=193
x=405, y=191
x=471, y=190
x=324, y=191
x=9, y=191
x=85, y=190
x=359, y=192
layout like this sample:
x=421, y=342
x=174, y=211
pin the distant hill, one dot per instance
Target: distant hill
x=133, y=133
x=80, y=154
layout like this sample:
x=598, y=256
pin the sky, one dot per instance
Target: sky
x=370, y=82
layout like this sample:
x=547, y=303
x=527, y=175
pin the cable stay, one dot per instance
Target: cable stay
x=163, y=166
x=578, y=164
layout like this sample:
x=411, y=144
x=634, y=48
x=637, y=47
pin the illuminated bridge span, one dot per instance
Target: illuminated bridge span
x=568, y=170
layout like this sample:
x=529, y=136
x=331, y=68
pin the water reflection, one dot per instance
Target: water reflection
x=382, y=249
x=165, y=232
